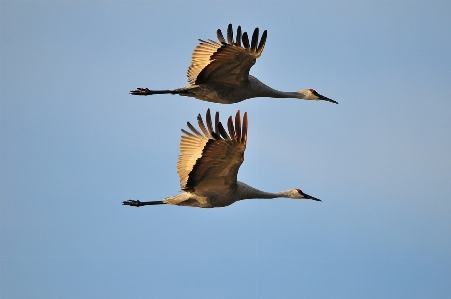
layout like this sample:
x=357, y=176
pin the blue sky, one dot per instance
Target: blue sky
x=75, y=144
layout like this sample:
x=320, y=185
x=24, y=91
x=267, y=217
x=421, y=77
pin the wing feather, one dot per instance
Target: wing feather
x=230, y=34
x=209, y=166
x=225, y=63
x=245, y=40
x=210, y=128
x=244, y=132
x=238, y=37
x=190, y=151
x=187, y=133
x=230, y=127
x=220, y=36
x=238, y=125
x=262, y=43
x=202, y=126
x=254, y=40
x=193, y=129
x=223, y=132
x=217, y=123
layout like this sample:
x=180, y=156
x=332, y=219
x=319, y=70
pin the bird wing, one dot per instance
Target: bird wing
x=209, y=161
x=225, y=62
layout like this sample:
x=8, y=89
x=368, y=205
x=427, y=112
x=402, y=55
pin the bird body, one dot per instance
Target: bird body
x=242, y=191
x=219, y=72
x=252, y=88
x=208, y=166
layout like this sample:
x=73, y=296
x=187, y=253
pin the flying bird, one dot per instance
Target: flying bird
x=208, y=166
x=219, y=72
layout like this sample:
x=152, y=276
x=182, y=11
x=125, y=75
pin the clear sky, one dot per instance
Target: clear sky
x=75, y=144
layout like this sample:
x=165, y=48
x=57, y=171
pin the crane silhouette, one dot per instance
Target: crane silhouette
x=219, y=72
x=208, y=167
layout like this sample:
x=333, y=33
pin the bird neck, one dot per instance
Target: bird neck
x=274, y=93
x=263, y=90
x=247, y=192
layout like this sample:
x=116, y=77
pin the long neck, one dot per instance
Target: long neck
x=262, y=90
x=245, y=191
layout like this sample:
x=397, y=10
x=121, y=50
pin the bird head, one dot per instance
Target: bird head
x=311, y=94
x=298, y=194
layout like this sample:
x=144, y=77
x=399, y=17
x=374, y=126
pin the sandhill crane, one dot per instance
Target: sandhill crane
x=219, y=72
x=208, y=166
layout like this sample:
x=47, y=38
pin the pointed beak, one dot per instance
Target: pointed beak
x=306, y=196
x=327, y=99
x=321, y=97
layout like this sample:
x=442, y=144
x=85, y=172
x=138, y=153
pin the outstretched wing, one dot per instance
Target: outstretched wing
x=225, y=62
x=209, y=160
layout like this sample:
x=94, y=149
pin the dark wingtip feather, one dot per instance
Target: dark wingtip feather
x=201, y=125
x=187, y=133
x=230, y=34
x=245, y=40
x=238, y=36
x=261, y=45
x=220, y=36
x=244, y=132
x=210, y=129
x=238, y=125
x=216, y=123
x=231, y=129
x=254, y=40
x=193, y=129
x=223, y=132
x=215, y=136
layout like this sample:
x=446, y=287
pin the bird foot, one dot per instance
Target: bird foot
x=133, y=203
x=141, y=92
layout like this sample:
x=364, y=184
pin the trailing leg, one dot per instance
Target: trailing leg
x=148, y=92
x=137, y=203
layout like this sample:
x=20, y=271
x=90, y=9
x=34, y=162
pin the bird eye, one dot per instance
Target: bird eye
x=299, y=191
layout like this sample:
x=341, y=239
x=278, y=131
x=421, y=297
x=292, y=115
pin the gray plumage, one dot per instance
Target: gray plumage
x=208, y=166
x=219, y=72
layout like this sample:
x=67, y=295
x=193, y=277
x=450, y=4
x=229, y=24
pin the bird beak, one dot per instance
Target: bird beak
x=321, y=97
x=306, y=196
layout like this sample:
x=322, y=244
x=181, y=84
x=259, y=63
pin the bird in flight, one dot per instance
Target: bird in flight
x=208, y=166
x=219, y=72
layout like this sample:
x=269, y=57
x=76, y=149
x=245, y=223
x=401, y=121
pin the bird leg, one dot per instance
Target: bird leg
x=137, y=203
x=147, y=92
